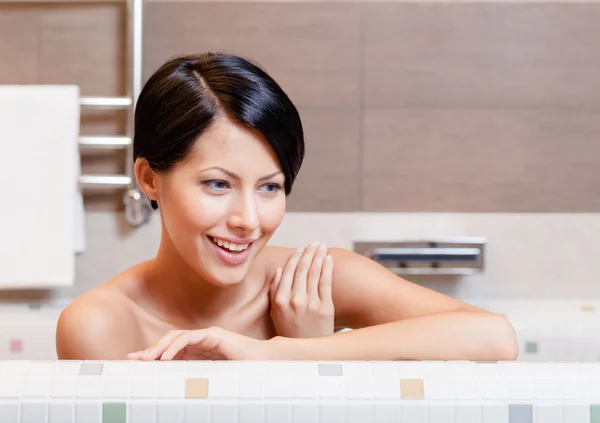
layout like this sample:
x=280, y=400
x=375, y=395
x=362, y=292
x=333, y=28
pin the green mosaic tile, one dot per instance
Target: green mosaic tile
x=114, y=412
x=531, y=347
x=594, y=413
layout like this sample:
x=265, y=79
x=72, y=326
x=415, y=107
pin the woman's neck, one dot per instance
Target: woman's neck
x=176, y=293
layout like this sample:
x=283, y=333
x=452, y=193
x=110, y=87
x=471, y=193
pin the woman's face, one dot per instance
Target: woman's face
x=222, y=204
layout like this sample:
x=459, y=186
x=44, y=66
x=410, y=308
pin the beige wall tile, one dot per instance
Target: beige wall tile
x=18, y=44
x=481, y=160
x=311, y=49
x=482, y=54
x=330, y=176
x=84, y=45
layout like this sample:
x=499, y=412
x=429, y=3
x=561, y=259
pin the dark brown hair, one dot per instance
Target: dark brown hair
x=188, y=93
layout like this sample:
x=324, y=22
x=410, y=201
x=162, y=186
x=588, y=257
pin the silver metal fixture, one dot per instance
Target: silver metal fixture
x=443, y=256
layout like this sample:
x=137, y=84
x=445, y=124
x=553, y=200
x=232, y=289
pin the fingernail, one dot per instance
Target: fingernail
x=314, y=243
x=322, y=247
x=300, y=250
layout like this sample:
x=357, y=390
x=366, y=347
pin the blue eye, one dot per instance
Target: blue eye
x=217, y=185
x=272, y=188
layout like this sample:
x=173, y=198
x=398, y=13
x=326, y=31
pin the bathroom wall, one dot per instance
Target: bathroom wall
x=422, y=120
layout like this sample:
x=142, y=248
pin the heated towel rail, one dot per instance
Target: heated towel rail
x=137, y=208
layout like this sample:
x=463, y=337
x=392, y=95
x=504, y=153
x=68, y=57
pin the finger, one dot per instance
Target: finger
x=275, y=282
x=156, y=350
x=285, y=283
x=314, y=274
x=301, y=275
x=188, y=338
x=326, y=282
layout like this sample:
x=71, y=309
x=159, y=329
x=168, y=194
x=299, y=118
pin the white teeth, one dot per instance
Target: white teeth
x=230, y=245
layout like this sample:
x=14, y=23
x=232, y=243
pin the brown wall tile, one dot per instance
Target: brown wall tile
x=481, y=54
x=312, y=49
x=481, y=160
x=18, y=44
x=330, y=176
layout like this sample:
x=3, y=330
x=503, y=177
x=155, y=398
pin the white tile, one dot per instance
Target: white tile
x=386, y=413
x=172, y=368
x=278, y=413
x=142, y=387
x=196, y=412
x=9, y=412
x=358, y=388
x=251, y=369
x=221, y=387
x=440, y=413
x=576, y=413
x=547, y=388
x=251, y=387
x=141, y=412
x=360, y=370
x=223, y=369
x=438, y=387
x=467, y=388
x=61, y=412
x=593, y=388
x=89, y=386
x=279, y=369
x=572, y=388
x=305, y=368
x=305, y=387
x=251, y=413
x=360, y=413
x=63, y=387
x=495, y=413
x=169, y=412
x=40, y=370
x=413, y=413
x=171, y=387
x=332, y=387
x=332, y=413
x=116, y=387
x=90, y=412
x=198, y=368
x=467, y=413
x=65, y=368
x=548, y=413
x=520, y=387
x=493, y=388
x=38, y=388
x=305, y=413
x=119, y=368
x=34, y=412
x=223, y=413
x=11, y=386
x=145, y=369
x=278, y=388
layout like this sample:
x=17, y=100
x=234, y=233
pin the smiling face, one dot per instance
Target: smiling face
x=221, y=205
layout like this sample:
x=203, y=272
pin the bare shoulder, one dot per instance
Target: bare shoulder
x=98, y=325
x=271, y=257
x=365, y=293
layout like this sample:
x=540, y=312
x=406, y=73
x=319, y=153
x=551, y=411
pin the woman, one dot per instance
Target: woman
x=217, y=146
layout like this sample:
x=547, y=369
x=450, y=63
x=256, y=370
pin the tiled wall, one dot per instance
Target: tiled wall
x=295, y=392
x=408, y=106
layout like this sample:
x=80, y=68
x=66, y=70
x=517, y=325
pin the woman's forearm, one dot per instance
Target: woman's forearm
x=457, y=335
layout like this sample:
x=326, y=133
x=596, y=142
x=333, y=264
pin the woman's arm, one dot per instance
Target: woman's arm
x=95, y=328
x=394, y=319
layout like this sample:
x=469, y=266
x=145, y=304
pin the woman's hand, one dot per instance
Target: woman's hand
x=205, y=344
x=301, y=300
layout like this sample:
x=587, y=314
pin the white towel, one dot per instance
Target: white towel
x=41, y=207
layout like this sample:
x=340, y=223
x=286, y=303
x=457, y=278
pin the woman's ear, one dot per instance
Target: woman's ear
x=146, y=178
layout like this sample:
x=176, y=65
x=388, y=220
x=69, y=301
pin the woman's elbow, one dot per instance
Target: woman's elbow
x=504, y=342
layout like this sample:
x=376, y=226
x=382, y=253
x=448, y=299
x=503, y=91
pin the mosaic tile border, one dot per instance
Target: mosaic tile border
x=298, y=392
